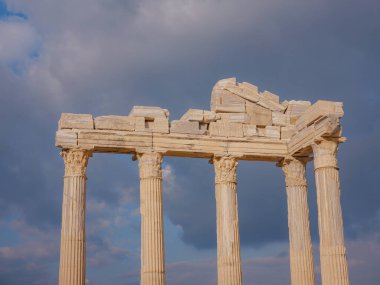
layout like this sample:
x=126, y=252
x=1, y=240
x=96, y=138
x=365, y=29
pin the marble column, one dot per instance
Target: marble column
x=228, y=240
x=301, y=253
x=152, y=226
x=332, y=247
x=72, y=267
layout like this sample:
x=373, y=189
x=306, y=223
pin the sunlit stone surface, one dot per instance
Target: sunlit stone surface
x=242, y=124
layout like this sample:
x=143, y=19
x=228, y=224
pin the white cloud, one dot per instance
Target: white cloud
x=168, y=177
x=18, y=39
x=36, y=244
x=94, y=48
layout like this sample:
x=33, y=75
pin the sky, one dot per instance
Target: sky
x=102, y=57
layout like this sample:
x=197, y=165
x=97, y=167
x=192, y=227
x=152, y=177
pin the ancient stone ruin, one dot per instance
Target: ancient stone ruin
x=242, y=124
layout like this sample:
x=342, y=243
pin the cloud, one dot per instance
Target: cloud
x=363, y=260
x=19, y=40
x=101, y=253
x=168, y=177
x=29, y=261
x=104, y=57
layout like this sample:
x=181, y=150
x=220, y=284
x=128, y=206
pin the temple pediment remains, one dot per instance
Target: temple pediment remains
x=239, y=112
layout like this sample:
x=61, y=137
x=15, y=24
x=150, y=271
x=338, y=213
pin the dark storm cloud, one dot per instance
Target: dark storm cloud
x=25, y=165
x=325, y=53
x=191, y=202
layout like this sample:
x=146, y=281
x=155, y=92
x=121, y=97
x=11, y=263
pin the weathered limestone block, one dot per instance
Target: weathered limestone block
x=195, y=115
x=224, y=129
x=210, y=116
x=121, y=123
x=184, y=127
x=235, y=117
x=269, y=103
x=113, y=140
x=285, y=104
x=66, y=138
x=326, y=127
x=261, y=131
x=295, y=109
x=226, y=97
x=224, y=83
x=156, y=125
x=160, y=125
x=250, y=93
x=250, y=130
x=149, y=126
x=271, y=97
x=76, y=121
x=287, y=132
x=203, y=127
x=201, y=116
x=250, y=89
x=279, y=119
x=149, y=112
x=317, y=111
x=223, y=100
x=259, y=115
x=246, y=91
x=230, y=108
x=272, y=132
x=236, y=130
x=140, y=124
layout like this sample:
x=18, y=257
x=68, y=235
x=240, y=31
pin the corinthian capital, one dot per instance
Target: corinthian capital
x=76, y=161
x=295, y=172
x=150, y=164
x=225, y=169
x=325, y=154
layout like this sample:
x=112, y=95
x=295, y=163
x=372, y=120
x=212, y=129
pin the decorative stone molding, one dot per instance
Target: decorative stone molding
x=150, y=164
x=76, y=161
x=295, y=172
x=242, y=123
x=325, y=154
x=225, y=169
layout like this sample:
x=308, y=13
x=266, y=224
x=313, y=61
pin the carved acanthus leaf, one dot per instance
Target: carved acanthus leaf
x=295, y=173
x=225, y=169
x=150, y=165
x=325, y=154
x=76, y=161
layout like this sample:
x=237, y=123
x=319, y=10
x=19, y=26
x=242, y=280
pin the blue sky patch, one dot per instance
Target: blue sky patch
x=6, y=13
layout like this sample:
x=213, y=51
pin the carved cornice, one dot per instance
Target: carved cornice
x=225, y=169
x=295, y=172
x=150, y=165
x=76, y=161
x=325, y=154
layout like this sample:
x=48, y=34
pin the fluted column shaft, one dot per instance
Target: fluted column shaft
x=152, y=227
x=228, y=240
x=301, y=253
x=332, y=247
x=72, y=268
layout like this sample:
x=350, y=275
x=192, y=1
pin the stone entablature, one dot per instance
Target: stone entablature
x=242, y=121
x=242, y=124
